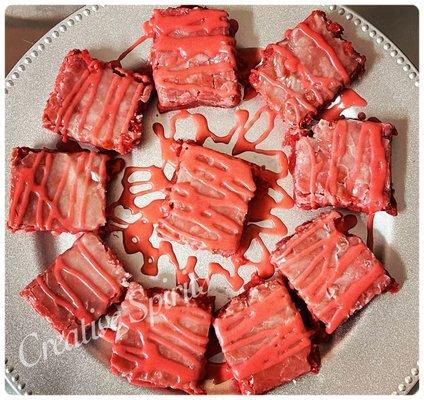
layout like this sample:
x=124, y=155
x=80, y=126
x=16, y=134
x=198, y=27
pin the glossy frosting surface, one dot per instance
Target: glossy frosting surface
x=345, y=164
x=306, y=69
x=209, y=201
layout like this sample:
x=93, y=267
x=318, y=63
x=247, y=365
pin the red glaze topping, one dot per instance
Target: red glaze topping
x=208, y=202
x=78, y=288
x=94, y=103
x=345, y=164
x=161, y=339
x=60, y=192
x=263, y=338
x=333, y=273
x=307, y=69
x=193, y=58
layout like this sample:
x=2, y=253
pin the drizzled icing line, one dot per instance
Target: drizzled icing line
x=348, y=164
x=30, y=58
x=292, y=86
x=96, y=102
x=209, y=200
x=361, y=26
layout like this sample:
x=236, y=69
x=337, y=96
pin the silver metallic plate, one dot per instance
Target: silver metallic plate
x=375, y=352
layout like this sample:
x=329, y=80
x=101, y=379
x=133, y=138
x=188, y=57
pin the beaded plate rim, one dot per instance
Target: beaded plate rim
x=362, y=27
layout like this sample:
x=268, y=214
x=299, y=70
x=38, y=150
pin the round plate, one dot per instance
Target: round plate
x=375, y=352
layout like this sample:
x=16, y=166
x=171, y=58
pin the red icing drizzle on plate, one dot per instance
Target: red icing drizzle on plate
x=137, y=234
x=348, y=98
x=148, y=34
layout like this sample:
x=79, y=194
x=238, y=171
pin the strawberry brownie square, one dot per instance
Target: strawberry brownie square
x=334, y=273
x=346, y=164
x=307, y=69
x=193, y=58
x=161, y=339
x=94, y=102
x=58, y=192
x=78, y=288
x=263, y=338
x=208, y=201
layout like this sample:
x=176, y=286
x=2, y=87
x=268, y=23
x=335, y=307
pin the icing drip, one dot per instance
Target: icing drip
x=147, y=35
x=348, y=98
